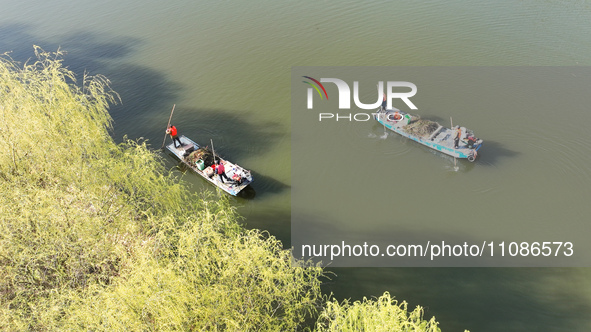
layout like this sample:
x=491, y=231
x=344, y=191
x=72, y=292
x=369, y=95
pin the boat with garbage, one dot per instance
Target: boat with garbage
x=202, y=159
x=431, y=133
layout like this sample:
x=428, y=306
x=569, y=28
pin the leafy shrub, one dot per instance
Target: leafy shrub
x=95, y=236
x=383, y=314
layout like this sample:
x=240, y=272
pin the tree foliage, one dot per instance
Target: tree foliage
x=383, y=314
x=98, y=236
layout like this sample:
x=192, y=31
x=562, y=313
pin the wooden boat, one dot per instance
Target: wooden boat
x=240, y=177
x=430, y=133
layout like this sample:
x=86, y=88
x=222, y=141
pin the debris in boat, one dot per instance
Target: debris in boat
x=200, y=162
x=202, y=153
x=421, y=127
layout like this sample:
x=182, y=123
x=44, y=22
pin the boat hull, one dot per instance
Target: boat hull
x=442, y=140
x=231, y=168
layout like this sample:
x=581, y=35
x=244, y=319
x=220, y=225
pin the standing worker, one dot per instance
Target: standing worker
x=173, y=134
x=221, y=171
x=458, y=136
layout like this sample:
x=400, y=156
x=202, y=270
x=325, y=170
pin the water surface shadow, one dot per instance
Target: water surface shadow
x=492, y=152
x=233, y=133
x=267, y=185
x=145, y=93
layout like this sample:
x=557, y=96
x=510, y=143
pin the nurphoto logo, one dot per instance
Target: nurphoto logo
x=391, y=92
x=344, y=92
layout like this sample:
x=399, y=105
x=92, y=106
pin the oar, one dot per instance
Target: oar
x=170, y=118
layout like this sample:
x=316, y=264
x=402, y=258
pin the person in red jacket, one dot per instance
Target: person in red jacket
x=173, y=133
x=221, y=171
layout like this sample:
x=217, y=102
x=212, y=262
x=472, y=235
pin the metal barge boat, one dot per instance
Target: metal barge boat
x=431, y=133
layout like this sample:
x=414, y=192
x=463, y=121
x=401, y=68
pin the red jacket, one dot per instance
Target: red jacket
x=221, y=169
x=172, y=131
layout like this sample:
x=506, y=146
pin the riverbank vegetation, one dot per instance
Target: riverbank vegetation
x=98, y=236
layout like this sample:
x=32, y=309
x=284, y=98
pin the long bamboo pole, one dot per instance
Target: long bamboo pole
x=212, y=150
x=451, y=122
x=215, y=169
x=168, y=125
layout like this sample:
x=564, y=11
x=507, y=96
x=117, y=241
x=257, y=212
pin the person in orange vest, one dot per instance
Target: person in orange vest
x=458, y=136
x=174, y=135
x=221, y=171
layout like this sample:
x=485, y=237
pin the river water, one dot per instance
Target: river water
x=227, y=67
